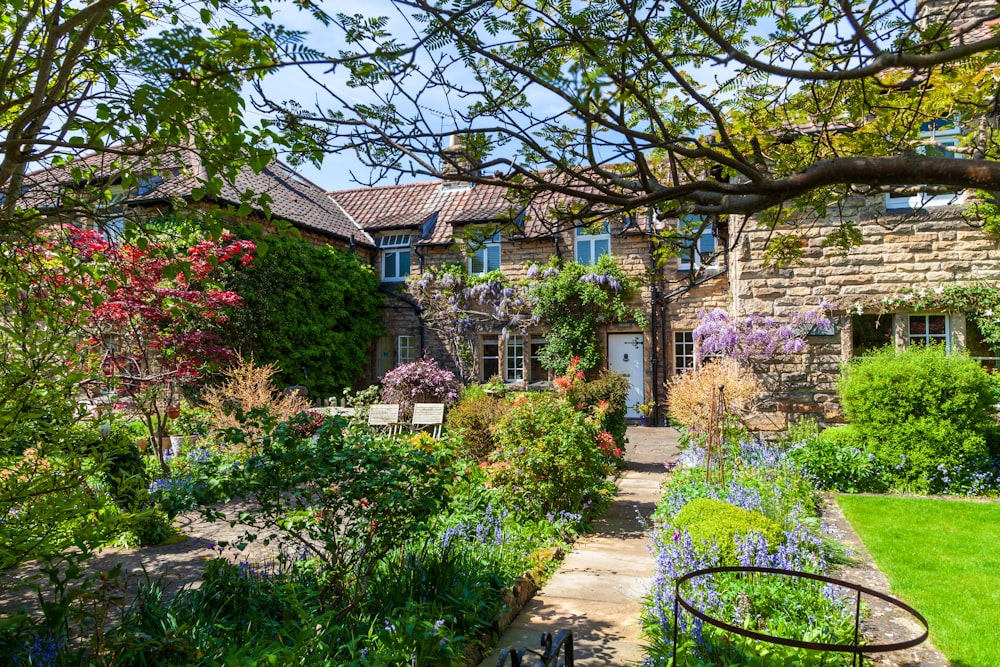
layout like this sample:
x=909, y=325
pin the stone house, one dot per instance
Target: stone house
x=422, y=225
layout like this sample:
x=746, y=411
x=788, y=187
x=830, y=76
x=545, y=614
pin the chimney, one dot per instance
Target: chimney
x=955, y=13
x=454, y=159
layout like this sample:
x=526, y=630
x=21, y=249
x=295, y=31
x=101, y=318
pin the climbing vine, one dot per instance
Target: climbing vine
x=979, y=301
x=574, y=300
x=570, y=299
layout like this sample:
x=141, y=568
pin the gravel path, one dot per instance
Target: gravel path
x=179, y=563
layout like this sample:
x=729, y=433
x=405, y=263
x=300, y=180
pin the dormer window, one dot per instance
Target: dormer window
x=700, y=247
x=593, y=242
x=395, y=257
x=486, y=256
x=109, y=213
x=943, y=135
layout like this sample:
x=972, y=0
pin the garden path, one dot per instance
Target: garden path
x=176, y=564
x=598, y=589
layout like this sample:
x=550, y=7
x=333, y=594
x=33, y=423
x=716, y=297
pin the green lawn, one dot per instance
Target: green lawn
x=942, y=557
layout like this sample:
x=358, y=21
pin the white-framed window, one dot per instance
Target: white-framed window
x=683, y=351
x=490, y=357
x=944, y=134
x=514, y=359
x=928, y=329
x=592, y=242
x=486, y=257
x=536, y=372
x=406, y=347
x=395, y=257
x=702, y=249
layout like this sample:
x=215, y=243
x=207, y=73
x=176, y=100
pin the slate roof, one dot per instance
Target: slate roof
x=294, y=199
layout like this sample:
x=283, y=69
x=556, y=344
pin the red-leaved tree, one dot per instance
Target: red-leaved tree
x=149, y=319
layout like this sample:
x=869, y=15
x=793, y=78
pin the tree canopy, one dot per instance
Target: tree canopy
x=104, y=94
x=689, y=107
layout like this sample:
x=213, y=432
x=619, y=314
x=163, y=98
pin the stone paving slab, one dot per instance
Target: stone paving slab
x=598, y=589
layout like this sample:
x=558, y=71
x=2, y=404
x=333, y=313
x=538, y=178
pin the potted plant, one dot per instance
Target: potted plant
x=645, y=411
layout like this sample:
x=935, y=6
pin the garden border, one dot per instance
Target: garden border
x=857, y=649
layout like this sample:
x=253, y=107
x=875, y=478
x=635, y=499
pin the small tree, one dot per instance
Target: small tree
x=155, y=316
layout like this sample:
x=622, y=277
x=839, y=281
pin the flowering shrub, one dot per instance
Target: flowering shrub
x=755, y=337
x=547, y=456
x=419, y=381
x=690, y=394
x=605, y=396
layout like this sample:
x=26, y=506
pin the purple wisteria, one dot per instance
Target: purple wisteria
x=755, y=337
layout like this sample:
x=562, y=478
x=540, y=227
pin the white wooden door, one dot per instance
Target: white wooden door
x=625, y=355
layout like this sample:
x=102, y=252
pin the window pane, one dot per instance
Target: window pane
x=537, y=373
x=476, y=263
x=683, y=351
x=918, y=325
x=389, y=265
x=407, y=349
x=404, y=263
x=870, y=332
x=936, y=325
x=515, y=359
x=601, y=247
x=493, y=257
x=583, y=252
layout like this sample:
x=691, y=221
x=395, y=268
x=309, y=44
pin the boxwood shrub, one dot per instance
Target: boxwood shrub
x=709, y=519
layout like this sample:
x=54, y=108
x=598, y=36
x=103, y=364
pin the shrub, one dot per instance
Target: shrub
x=247, y=388
x=921, y=410
x=711, y=520
x=470, y=424
x=689, y=395
x=311, y=310
x=609, y=391
x=547, y=458
x=835, y=460
x=419, y=381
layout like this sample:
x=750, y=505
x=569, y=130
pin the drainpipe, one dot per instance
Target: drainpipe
x=654, y=292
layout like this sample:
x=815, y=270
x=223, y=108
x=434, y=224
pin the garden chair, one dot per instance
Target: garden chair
x=428, y=416
x=384, y=417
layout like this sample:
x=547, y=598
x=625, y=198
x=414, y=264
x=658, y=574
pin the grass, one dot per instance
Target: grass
x=942, y=557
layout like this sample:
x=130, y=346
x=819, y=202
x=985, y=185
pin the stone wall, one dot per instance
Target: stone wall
x=632, y=251
x=904, y=251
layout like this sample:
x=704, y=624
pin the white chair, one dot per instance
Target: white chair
x=428, y=415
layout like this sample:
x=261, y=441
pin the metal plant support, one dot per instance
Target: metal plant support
x=715, y=456
x=856, y=648
x=551, y=650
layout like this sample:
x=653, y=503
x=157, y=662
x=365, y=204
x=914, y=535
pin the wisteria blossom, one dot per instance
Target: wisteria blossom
x=755, y=337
